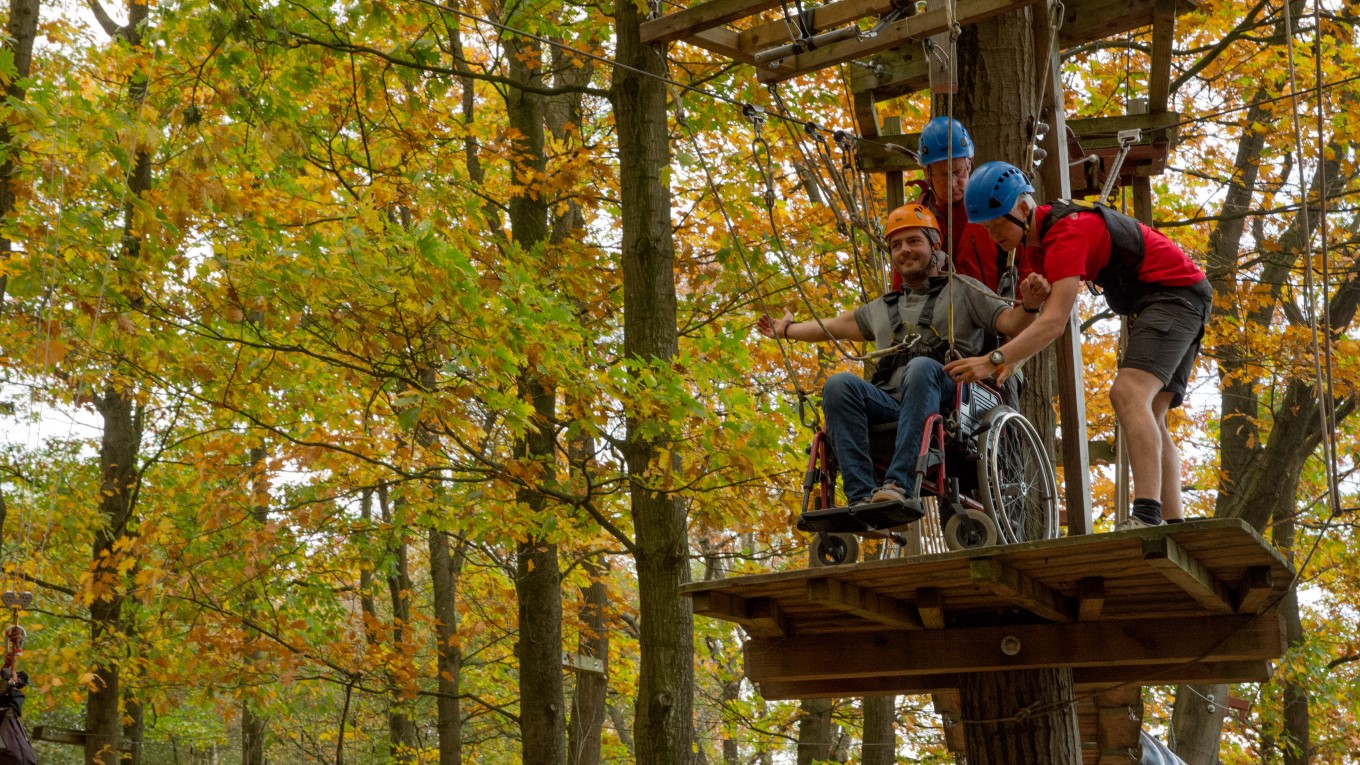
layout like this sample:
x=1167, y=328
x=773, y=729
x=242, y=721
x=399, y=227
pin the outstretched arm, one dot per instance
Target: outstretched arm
x=842, y=327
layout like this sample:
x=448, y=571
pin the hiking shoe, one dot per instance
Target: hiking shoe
x=1134, y=522
x=890, y=492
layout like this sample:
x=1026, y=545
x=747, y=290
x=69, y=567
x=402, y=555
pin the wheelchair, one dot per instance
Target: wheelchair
x=981, y=465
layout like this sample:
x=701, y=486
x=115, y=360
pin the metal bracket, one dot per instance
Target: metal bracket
x=1127, y=138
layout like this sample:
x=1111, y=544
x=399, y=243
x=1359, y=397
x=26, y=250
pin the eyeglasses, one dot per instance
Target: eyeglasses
x=959, y=174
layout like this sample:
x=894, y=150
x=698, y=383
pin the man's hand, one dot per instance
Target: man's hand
x=976, y=368
x=1034, y=290
x=776, y=328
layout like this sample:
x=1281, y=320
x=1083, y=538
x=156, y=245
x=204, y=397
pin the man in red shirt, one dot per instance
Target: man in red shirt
x=945, y=150
x=1142, y=275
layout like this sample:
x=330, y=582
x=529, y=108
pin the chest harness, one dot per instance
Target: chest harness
x=1118, y=280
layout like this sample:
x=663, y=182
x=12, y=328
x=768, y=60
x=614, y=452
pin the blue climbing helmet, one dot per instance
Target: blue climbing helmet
x=992, y=191
x=944, y=138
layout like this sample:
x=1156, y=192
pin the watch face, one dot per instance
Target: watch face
x=997, y=357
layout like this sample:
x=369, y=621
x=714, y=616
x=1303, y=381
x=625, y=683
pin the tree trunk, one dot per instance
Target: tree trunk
x=538, y=579
x=814, y=731
x=252, y=724
x=664, y=706
x=400, y=728
x=445, y=566
x=592, y=689
x=21, y=31
x=880, y=740
x=1002, y=726
x=1197, y=722
x=119, y=446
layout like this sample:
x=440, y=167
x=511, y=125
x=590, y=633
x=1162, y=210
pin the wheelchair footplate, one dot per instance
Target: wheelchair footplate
x=858, y=519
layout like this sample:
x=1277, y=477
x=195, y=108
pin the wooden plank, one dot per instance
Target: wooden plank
x=1103, y=132
x=697, y=18
x=1090, y=598
x=1085, y=680
x=949, y=706
x=1072, y=416
x=1159, y=73
x=911, y=28
x=1021, y=590
x=760, y=617
x=987, y=649
x=930, y=606
x=722, y=41
x=1117, y=728
x=1256, y=591
x=824, y=17
x=1186, y=572
x=866, y=604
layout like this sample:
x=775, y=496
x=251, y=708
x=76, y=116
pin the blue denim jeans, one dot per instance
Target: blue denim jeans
x=852, y=404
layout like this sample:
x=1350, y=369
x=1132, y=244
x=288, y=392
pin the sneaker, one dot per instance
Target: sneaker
x=891, y=492
x=1134, y=522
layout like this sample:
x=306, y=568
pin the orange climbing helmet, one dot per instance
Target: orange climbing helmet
x=910, y=216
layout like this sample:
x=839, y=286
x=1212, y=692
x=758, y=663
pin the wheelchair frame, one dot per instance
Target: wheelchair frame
x=1010, y=497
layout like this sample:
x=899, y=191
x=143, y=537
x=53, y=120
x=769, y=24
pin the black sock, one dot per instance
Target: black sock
x=1175, y=520
x=1147, y=510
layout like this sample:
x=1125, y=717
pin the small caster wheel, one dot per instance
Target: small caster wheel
x=833, y=549
x=970, y=529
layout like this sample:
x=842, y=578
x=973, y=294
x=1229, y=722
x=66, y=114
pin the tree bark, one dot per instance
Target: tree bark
x=253, y=724
x=814, y=731
x=664, y=704
x=400, y=728
x=592, y=689
x=1020, y=718
x=445, y=567
x=1197, y=722
x=880, y=739
x=120, y=444
x=21, y=31
x=538, y=576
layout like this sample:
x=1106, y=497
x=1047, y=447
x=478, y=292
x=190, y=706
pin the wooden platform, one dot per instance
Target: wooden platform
x=1192, y=602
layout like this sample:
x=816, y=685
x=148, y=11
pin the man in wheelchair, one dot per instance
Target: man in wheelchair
x=914, y=330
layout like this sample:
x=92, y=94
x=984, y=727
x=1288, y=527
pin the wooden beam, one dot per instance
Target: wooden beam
x=722, y=41
x=866, y=604
x=760, y=617
x=1256, y=590
x=911, y=28
x=697, y=18
x=1090, y=598
x=905, y=70
x=1104, y=644
x=824, y=17
x=1159, y=73
x=1020, y=589
x=1085, y=680
x=930, y=606
x=1186, y=572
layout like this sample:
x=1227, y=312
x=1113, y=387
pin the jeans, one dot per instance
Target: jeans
x=852, y=404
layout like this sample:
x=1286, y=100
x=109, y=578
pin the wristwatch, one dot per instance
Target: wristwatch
x=996, y=357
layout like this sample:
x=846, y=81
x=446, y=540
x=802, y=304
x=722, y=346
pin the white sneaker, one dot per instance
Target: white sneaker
x=1134, y=522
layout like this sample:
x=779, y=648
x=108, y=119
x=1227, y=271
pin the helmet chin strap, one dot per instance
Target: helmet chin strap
x=1023, y=224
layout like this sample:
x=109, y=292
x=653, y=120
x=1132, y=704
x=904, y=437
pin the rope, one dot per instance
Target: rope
x=1323, y=389
x=800, y=392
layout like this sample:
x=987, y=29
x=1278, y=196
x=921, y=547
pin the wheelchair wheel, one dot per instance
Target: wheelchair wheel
x=833, y=549
x=1017, y=486
x=969, y=529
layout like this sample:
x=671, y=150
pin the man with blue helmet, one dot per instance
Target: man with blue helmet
x=1143, y=275
x=946, y=150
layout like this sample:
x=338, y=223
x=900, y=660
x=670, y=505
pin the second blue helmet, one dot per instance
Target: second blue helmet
x=992, y=191
x=944, y=138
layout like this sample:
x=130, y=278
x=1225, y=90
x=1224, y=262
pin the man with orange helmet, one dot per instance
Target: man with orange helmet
x=914, y=322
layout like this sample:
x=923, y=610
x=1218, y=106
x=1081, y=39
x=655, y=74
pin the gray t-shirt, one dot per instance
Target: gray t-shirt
x=976, y=309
